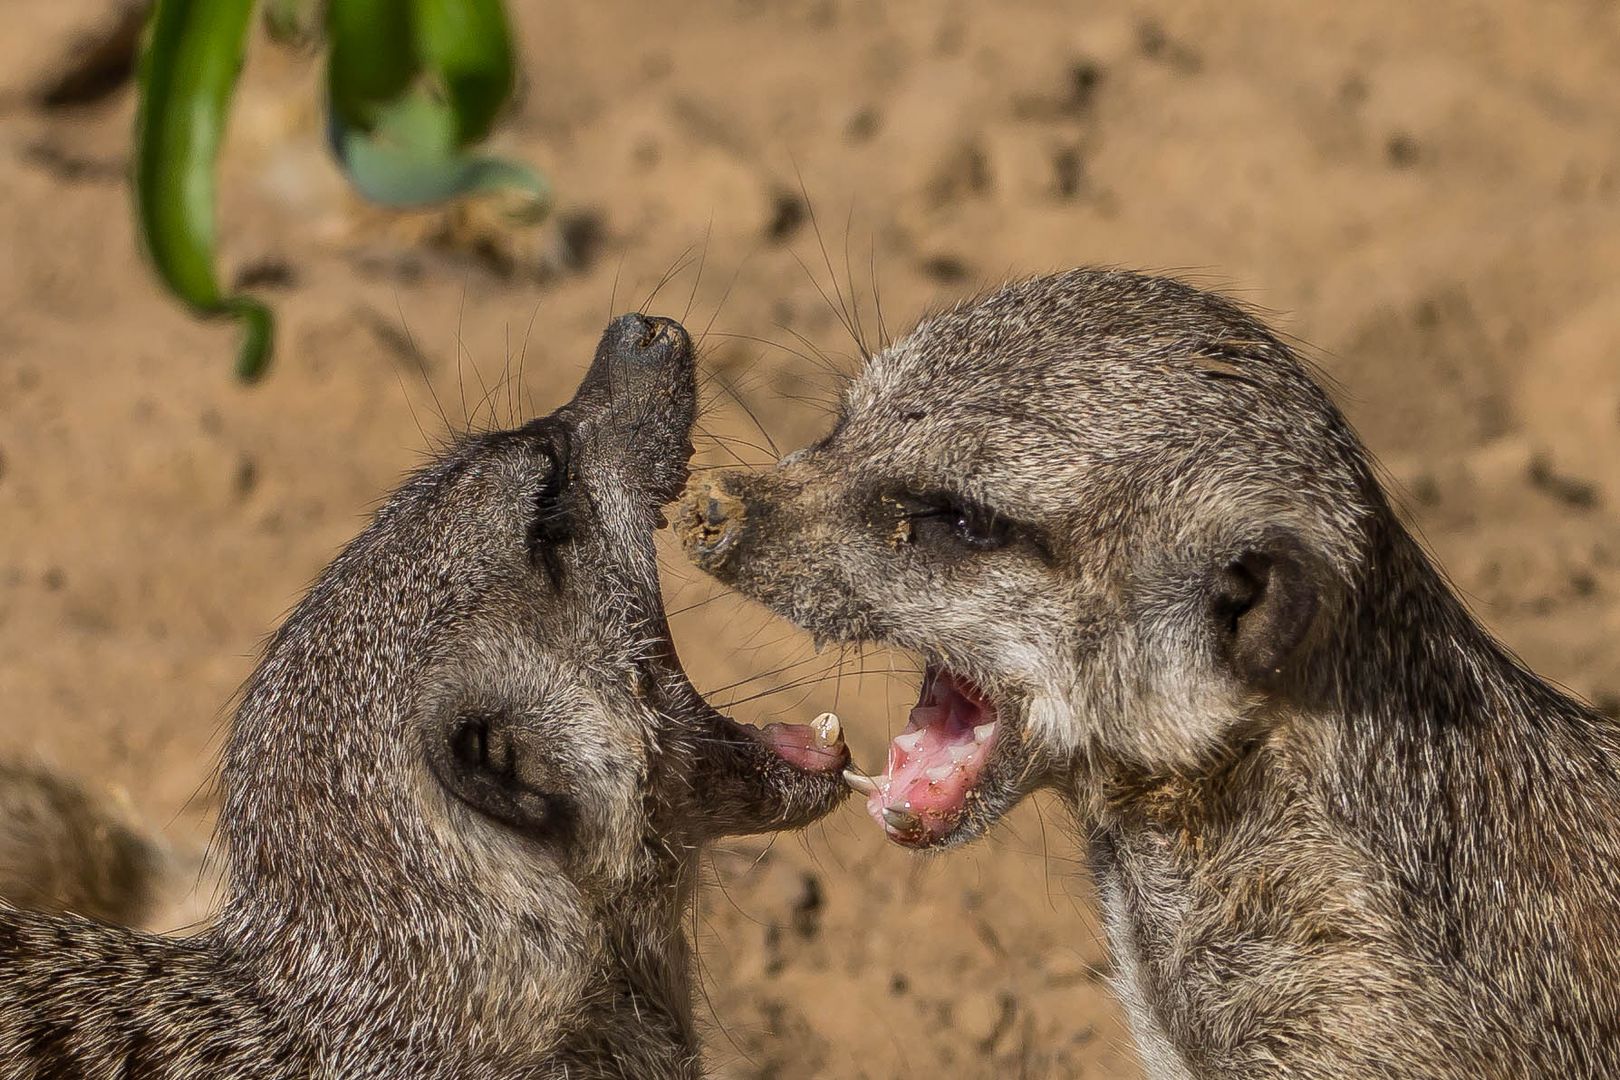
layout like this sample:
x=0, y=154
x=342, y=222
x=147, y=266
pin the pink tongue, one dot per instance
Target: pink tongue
x=934, y=763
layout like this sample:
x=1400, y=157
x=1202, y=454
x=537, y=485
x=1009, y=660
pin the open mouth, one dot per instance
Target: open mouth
x=935, y=764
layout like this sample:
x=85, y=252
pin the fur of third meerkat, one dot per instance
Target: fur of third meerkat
x=1337, y=828
x=68, y=847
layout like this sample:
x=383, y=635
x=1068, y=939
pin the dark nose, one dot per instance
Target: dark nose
x=637, y=402
x=713, y=519
x=640, y=353
x=648, y=338
x=643, y=372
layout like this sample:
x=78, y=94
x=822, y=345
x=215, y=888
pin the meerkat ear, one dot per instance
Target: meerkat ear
x=478, y=758
x=1264, y=603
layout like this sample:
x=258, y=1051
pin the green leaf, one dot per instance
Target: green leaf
x=258, y=336
x=412, y=83
x=188, y=71
x=467, y=46
x=372, y=60
x=410, y=159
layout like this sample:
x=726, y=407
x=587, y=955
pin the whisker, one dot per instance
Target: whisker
x=697, y=604
x=421, y=362
x=704, y=336
x=703, y=259
x=877, y=295
x=466, y=421
x=854, y=297
x=523, y=355
x=772, y=673
x=681, y=263
x=775, y=450
x=841, y=310
x=730, y=439
x=796, y=684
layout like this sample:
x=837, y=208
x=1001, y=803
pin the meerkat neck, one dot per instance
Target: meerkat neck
x=1426, y=709
x=1409, y=704
x=643, y=1009
x=1412, y=661
x=335, y=880
x=336, y=907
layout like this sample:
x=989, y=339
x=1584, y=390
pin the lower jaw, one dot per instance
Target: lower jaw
x=927, y=793
x=914, y=832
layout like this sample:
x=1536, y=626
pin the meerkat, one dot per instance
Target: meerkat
x=64, y=847
x=1337, y=829
x=463, y=796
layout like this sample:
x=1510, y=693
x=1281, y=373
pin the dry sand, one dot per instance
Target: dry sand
x=1426, y=194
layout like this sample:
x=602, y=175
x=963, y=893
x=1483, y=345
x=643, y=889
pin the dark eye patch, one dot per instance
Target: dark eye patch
x=840, y=422
x=944, y=517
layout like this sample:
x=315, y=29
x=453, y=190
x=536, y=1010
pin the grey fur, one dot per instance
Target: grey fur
x=1338, y=829
x=463, y=796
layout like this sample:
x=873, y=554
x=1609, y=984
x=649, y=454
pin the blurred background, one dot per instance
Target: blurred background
x=1426, y=196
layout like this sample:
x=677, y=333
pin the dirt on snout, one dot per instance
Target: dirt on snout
x=709, y=513
x=1428, y=195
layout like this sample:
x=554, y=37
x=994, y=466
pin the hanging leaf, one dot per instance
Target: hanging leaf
x=193, y=56
x=410, y=159
x=467, y=47
x=411, y=84
x=371, y=59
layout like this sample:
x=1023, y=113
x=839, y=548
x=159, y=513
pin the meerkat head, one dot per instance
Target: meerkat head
x=1109, y=512
x=475, y=720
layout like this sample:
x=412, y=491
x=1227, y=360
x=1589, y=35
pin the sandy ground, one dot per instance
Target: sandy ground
x=1428, y=195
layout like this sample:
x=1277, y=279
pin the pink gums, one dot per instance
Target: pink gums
x=935, y=763
x=796, y=744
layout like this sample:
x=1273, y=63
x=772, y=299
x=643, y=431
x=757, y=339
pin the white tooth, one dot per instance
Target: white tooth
x=901, y=821
x=909, y=743
x=939, y=772
x=863, y=784
x=984, y=731
x=961, y=752
x=827, y=730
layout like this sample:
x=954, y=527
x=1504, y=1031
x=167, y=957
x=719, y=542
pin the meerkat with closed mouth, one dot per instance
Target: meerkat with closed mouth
x=1337, y=829
x=464, y=794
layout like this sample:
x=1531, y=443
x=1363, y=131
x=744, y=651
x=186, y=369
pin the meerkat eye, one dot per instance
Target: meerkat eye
x=964, y=523
x=550, y=516
x=980, y=529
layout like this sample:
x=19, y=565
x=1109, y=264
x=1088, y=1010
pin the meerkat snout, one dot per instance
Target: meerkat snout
x=713, y=520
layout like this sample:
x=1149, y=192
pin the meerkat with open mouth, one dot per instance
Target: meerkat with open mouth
x=464, y=795
x=1337, y=829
